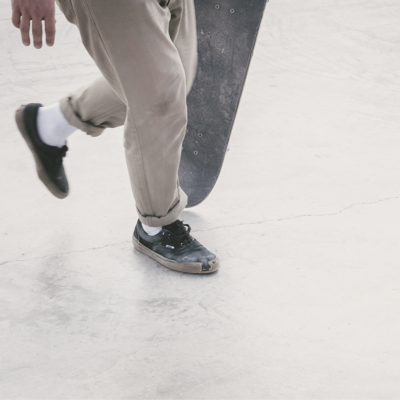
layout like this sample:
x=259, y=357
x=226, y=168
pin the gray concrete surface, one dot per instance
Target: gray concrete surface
x=305, y=218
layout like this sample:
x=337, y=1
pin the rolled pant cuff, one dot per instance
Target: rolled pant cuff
x=172, y=215
x=74, y=119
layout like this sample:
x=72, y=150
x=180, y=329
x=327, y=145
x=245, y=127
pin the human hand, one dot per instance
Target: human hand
x=25, y=11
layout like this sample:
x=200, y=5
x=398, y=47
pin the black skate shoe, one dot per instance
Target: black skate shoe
x=174, y=248
x=48, y=158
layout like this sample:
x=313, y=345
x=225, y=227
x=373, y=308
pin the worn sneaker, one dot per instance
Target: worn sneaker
x=48, y=158
x=176, y=249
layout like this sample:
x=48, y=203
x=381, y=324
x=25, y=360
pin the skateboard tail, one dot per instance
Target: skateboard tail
x=227, y=36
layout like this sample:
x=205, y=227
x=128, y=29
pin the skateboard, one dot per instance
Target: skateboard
x=227, y=32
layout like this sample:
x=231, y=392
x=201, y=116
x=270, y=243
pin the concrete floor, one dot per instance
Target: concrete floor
x=305, y=218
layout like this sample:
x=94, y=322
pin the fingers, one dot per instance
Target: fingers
x=25, y=11
x=16, y=17
x=25, y=27
x=50, y=29
x=37, y=32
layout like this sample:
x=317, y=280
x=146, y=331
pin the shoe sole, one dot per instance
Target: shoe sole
x=19, y=119
x=188, y=268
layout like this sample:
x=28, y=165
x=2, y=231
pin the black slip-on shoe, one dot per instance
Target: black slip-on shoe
x=176, y=249
x=48, y=159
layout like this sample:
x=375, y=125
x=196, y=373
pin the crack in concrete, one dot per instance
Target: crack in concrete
x=303, y=215
x=222, y=227
x=63, y=254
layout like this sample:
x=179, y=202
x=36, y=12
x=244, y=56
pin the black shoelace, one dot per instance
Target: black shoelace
x=55, y=155
x=179, y=235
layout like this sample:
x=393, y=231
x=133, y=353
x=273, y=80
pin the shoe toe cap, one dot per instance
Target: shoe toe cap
x=59, y=179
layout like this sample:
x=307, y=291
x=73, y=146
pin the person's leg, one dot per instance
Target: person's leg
x=96, y=106
x=133, y=48
x=132, y=43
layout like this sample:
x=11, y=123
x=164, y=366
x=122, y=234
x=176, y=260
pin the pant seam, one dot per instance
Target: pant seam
x=133, y=120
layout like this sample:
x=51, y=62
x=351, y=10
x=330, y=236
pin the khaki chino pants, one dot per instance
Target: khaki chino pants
x=147, y=53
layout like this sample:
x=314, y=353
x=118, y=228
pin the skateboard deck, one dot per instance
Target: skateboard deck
x=227, y=32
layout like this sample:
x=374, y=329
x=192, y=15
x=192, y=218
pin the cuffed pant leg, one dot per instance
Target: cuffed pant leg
x=93, y=108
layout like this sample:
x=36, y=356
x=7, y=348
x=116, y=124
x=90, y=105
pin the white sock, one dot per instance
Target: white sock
x=52, y=126
x=152, y=231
